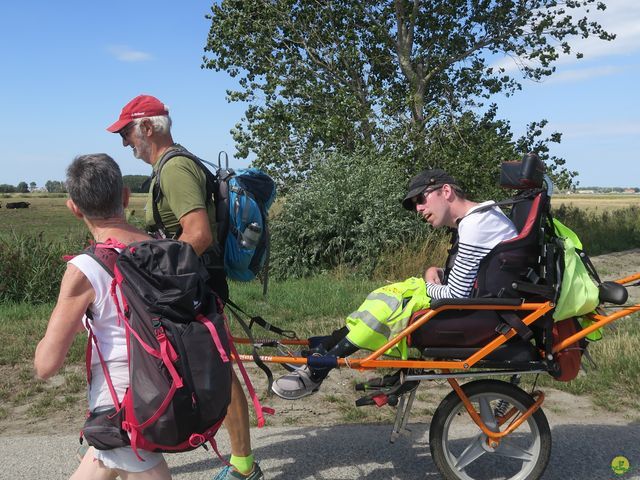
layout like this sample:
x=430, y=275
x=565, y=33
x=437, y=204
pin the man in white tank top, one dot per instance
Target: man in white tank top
x=98, y=197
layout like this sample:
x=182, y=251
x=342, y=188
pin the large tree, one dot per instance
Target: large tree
x=55, y=186
x=340, y=75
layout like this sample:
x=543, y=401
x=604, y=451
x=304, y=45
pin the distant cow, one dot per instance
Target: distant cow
x=11, y=205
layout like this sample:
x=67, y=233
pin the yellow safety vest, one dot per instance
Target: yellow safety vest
x=385, y=313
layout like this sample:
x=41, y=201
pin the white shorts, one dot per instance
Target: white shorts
x=124, y=458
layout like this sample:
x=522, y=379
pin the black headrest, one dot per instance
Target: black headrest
x=528, y=173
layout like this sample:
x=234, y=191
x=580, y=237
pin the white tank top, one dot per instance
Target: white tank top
x=109, y=332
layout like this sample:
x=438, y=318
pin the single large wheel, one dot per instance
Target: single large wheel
x=460, y=449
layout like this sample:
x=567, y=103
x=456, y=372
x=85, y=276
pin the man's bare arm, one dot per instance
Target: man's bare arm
x=196, y=230
x=76, y=294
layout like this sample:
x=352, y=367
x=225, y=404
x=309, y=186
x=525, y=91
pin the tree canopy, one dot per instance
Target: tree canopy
x=342, y=75
x=55, y=186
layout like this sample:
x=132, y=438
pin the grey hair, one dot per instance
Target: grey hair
x=161, y=123
x=94, y=183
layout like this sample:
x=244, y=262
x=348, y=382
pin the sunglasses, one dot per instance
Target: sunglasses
x=126, y=130
x=422, y=198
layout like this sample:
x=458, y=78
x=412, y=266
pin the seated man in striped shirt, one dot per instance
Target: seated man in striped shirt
x=441, y=202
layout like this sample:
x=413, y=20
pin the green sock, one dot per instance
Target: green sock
x=243, y=464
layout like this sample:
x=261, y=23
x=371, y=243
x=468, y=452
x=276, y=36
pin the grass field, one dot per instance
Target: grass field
x=49, y=215
x=309, y=306
x=596, y=202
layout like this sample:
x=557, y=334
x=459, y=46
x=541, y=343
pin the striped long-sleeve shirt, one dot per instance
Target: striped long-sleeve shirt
x=477, y=235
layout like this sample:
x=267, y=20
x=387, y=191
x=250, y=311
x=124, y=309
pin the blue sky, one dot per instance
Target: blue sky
x=69, y=67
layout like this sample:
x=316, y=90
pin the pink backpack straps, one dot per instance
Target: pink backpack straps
x=259, y=409
x=106, y=253
x=92, y=339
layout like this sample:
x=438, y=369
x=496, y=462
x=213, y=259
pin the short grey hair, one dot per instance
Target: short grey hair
x=161, y=123
x=95, y=185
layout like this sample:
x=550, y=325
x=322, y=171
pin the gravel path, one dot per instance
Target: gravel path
x=340, y=453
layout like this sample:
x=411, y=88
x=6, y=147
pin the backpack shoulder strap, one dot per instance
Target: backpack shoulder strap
x=528, y=195
x=178, y=151
x=104, y=255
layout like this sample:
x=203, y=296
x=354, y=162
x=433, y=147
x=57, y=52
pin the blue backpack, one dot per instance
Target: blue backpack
x=242, y=199
x=245, y=204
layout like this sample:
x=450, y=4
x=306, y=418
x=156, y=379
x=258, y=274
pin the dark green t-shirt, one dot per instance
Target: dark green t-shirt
x=183, y=185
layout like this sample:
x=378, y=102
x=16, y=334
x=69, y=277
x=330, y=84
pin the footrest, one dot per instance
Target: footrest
x=378, y=400
x=380, y=382
x=387, y=395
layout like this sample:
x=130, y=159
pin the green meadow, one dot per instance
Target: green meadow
x=33, y=241
x=49, y=217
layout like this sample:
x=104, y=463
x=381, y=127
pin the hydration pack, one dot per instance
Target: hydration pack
x=177, y=347
x=242, y=200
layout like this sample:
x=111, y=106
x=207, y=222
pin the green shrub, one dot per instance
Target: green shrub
x=603, y=232
x=31, y=267
x=346, y=213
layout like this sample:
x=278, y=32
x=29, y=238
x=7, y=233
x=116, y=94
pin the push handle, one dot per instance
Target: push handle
x=226, y=159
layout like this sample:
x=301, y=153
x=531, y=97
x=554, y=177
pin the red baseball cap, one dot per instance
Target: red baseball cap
x=139, y=107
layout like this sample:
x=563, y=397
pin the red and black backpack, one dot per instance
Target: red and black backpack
x=178, y=350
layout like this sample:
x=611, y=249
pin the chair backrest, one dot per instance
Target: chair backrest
x=519, y=260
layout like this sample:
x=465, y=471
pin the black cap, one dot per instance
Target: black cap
x=421, y=181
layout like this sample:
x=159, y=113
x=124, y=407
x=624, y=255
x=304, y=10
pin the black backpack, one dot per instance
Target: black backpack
x=177, y=346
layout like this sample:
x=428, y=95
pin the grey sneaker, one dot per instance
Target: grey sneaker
x=230, y=473
x=296, y=384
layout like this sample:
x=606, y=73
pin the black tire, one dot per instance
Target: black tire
x=521, y=455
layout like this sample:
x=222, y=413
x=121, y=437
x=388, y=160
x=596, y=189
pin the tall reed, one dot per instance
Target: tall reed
x=604, y=231
x=31, y=266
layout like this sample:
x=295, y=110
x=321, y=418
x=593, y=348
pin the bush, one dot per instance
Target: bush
x=31, y=267
x=346, y=213
x=603, y=232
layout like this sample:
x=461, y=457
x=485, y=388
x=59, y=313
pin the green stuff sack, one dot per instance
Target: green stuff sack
x=385, y=313
x=578, y=292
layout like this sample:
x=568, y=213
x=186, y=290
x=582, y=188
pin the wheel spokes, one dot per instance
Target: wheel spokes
x=486, y=413
x=473, y=451
x=463, y=451
x=509, y=450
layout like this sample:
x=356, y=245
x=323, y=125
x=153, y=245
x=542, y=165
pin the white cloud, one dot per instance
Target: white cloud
x=577, y=75
x=127, y=54
x=622, y=17
x=596, y=129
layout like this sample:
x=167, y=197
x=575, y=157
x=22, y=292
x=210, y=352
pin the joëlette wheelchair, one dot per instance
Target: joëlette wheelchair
x=487, y=425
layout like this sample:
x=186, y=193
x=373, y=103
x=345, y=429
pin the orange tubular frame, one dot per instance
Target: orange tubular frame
x=495, y=437
x=538, y=310
x=372, y=361
x=601, y=320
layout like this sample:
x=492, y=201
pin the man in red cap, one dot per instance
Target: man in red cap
x=180, y=205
